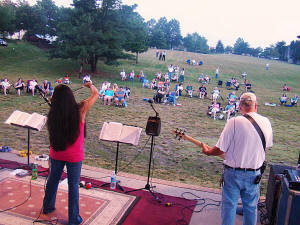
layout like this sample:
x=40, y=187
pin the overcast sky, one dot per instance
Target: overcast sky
x=258, y=22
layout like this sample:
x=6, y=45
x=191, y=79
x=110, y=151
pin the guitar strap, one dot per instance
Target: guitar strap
x=257, y=128
x=262, y=137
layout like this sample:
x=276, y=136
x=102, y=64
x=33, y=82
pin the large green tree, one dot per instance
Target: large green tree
x=173, y=34
x=7, y=18
x=136, y=31
x=295, y=51
x=157, y=33
x=281, y=49
x=27, y=18
x=219, y=47
x=240, y=47
x=91, y=32
x=48, y=15
x=195, y=43
x=228, y=49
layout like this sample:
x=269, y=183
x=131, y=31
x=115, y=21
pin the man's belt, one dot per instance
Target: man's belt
x=244, y=169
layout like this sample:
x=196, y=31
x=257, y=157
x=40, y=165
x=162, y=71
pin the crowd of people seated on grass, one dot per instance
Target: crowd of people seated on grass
x=174, y=74
x=65, y=80
x=30, y=86
x=114, y=94
x=165, y=95
x=193, y=62
x=131, y=75
x=216, y=111
x=284, y=100
x=204, y=79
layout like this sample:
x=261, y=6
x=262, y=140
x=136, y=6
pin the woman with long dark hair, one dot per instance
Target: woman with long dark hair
x=65, y=124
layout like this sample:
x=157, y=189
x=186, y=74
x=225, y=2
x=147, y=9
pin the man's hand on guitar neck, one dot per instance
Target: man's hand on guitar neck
x=207, y=150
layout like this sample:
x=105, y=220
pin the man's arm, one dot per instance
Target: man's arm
x=207, y=150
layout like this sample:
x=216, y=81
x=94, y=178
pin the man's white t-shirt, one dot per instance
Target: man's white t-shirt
x=242, y=144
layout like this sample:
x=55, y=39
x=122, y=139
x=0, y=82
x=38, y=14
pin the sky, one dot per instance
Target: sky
x=259, y=22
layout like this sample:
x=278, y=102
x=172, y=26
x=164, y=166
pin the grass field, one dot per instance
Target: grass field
x=174, y=160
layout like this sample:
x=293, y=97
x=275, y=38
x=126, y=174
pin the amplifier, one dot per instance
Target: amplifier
x=293, y=177
x=153, y=126
x=288, y=205
x=273, y=190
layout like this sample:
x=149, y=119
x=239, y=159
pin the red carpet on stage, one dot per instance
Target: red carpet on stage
x=147, y=211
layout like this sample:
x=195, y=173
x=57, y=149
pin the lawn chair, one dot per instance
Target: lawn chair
x=220, y=83
x=294, y=100
x=228, y=85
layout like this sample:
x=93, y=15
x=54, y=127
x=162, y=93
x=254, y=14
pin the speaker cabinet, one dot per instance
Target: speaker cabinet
x=153, y=126
x=274, y=191
x=288, y=205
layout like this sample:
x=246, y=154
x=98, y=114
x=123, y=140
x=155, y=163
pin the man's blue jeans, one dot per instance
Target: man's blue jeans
x=73, y=172
x=239, y=183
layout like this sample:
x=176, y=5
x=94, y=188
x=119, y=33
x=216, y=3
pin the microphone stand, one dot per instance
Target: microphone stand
x=156, y=113
x=148, y=187
x=43, y=95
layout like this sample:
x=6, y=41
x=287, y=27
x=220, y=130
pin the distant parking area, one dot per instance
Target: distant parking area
x=3, y=43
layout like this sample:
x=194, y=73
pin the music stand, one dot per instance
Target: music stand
x=32, y=121
x=153, y=129
x=119, y=133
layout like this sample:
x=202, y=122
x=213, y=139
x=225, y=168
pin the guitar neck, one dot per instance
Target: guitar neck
x=194, y=141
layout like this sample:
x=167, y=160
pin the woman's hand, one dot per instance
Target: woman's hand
x=88, y=84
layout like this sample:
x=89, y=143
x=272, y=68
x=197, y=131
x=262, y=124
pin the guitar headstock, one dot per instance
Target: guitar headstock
x=179, y=133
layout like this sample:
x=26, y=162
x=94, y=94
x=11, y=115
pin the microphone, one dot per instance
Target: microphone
x=42, y=93
x=150, y=101
x=39, y=88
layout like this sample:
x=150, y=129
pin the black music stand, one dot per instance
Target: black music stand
x=116, y=132
x=21, y=119
x=116, y=171
x=153, y=129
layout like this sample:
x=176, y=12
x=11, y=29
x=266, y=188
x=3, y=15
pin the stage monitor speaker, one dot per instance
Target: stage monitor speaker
x=274, y=191
x=153, y=126
x=288, y=204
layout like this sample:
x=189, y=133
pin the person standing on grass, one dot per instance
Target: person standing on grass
x=65, y=124
x=217, y=73
x=244, y=153
x=164, y=56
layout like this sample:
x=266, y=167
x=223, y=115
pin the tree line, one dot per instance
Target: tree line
x=106, y=30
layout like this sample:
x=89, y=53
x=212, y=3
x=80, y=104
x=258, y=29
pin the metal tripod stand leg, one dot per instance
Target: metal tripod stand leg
x=116, y=171
x=148, y=186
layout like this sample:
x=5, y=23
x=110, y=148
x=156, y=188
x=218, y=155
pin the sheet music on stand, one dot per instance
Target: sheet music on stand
x=117, y=132
x=29, y=121
x=33, y=121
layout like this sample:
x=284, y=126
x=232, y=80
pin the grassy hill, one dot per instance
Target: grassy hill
x=173, y=160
